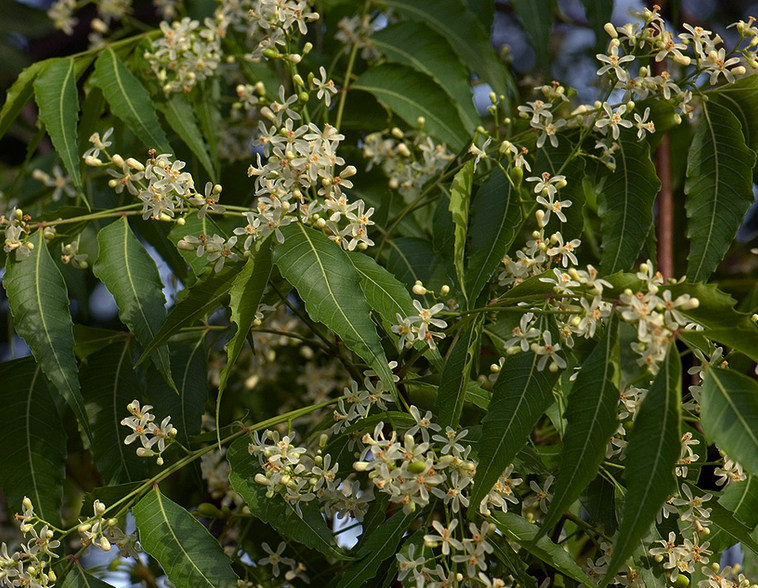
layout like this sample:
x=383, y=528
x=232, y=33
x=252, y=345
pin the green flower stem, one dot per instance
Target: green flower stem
x=128, y=210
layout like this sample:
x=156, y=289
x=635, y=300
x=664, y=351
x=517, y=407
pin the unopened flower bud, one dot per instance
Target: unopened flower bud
x=418, y=289
x=360, y=466
x=118, y=160
x=92, y=161
x=403, y=150
x=420, y=122
x=513, y=350
x=297, y=78
x=445, y=290
x=145, y=452
x=397, y=133
x=610, y=30
x=307, y=48
x=739, y=70
x=26, y=503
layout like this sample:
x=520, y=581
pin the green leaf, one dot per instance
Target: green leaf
x=741, y=499
x=599, y=498
x=246, y=293
x=495, y=217
x=310, y=529
x=729, y=415
x=411, y=94
x=39, y=304
x=625, y=203
x=129, y=100
x=19, y=94
x=413, y=259
x=380, y=546
x=455, y=376
x=591, y=419
x=109, y=383
x=58, y=101
x=209, y=117
x=460, y=202
x=562, y=160
x=329, y=285
x=537, y=16
x=193, y=226
x=33, y=441
x=653, y=450
x=187, y=552
x=466, y=35
x=78, y=578
x=181, y=118
x=203, y=298
x=599, y=12
x=719, y=188
x=524, y=533
x=521, y=395
x=416, y=45
x=130, y=274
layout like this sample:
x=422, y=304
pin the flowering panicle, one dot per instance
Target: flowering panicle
x=152, y=437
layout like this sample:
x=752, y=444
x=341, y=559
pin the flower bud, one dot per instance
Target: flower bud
x=397, y=133
x=610, y=30
x=26, y=503
x=445, y=290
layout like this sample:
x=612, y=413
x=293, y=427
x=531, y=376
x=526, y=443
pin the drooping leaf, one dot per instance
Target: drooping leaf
x=591, y=419
x=380, y=546
x=729, y=415
x=719, y=188
x=33, y=441
x=39, y=304
x=330, y=287
x=130, y=274
x=521, y=395
x=524, y=533
x=79, y=578
x=411, y=94
x=599, y=12
x=455, y=376
x=187, y=552
x=58, y=103
x=181, y=118
x=310, y=528
x=460, y=202
x=109, y=383
x=625, y=203
x=495, y=217
x=19, y=94
x=416, y=45
x=653, y=450
x=537, y=16
x=129, y=100
x=246, y=293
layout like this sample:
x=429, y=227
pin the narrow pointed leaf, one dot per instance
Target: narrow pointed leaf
x=310, y=529
x=58, y=101
x=79, y=578
x=246, y=293
x=592, y=418
x=455, y=376
x=413, y=259
x=19, y=95
x=330, y=287
x=729, y=414
x=741, y=499
x=599, y=12
x=130, y=274
x=109, y=383
x=520, y=397
x=39, y=304
x=380, y=546
x=625, y=203
x=187, y=552
x=209, y=118
x=129, y=100
x=181, y=118
x=537, y=16
x=719, y=188
x=495, y=217
x=411, y=94
x=654, y=447
x=33, y=441
x=460, y=202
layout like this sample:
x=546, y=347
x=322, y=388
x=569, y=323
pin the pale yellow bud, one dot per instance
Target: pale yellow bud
x=610, y=30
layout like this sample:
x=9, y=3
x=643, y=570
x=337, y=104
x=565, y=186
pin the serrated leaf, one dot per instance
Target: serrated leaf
x=187, y=552
x=33, y=441
x=653, y=450
x=79, y=578
x=729, y=415
x=460, y=202
x=58, y=102
x=411, y=94
x=466, y=35
x=310, y=528
x=130, y=274
x=625, y=203
x=129, y=100
x=719, y=188
x=591, y=419
x=521, y=395
x=246, y=293
x=495, y=217
x=19, y=94
x=456, y=374
x=329, y=285
x=380, y=546
x=203, y=298
x=537, y=16
x=109, y=383
x=524, y=533
x=599, y=12
x=181, y=118
x=39, y=304
x=417, y=45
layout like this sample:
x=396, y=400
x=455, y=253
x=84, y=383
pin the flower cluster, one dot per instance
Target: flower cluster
x=59, y=181
x=152, y=436
x=418, y=327
x=104, y=533
x=32, y=564
x=16, y=229
x=272, y=23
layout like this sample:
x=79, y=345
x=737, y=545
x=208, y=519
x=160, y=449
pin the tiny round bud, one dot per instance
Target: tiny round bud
x=297, y=78
x=403, y=150
x=630, y=106
x=418, y=289
x=739, y=70
x=26, y=503
x=360, y=466
x=420, y=122
x=610, y=30
x=444, y=290
x=105, y=545
x=118, y=160
x=113, y=183
x=303, y=96
x=495, y=368
x=307, y=48
x=83, y=528
x=417, y=467
x=397, y=133
x=513, y=350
